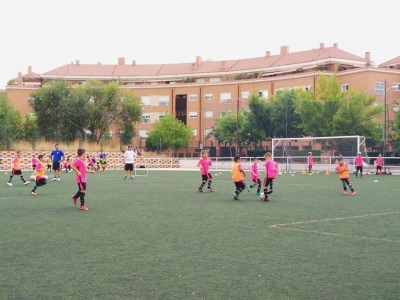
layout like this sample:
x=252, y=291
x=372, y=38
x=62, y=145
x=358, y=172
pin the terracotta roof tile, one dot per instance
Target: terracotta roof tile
x=205, y=67
x=391, y=62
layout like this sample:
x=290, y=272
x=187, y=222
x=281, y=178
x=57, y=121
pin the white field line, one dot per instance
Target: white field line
x=285, y=226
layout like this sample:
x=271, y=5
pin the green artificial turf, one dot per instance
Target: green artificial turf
x=155, y=237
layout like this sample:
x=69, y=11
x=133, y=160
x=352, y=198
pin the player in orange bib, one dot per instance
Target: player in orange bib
x=39, y=172
x=16, y=170
x=343, y=170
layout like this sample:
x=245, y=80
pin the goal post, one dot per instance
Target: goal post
x=292, y=153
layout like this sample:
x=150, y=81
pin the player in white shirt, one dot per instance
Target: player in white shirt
x=129, y=162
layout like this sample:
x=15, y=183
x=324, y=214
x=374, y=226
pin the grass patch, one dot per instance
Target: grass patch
x=157, y=238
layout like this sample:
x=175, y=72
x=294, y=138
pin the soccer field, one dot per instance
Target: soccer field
x=155, y=237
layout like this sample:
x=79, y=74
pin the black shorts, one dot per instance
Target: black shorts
x=240, y=185
x=206, y=177
x=34, y=167
x=16, y=172
x=257, y=181
x=82, y=186
x=359, y=168
x=128, y=167
x=40, y=182
x=56, y=166
x=379, y=168
x=267, y=181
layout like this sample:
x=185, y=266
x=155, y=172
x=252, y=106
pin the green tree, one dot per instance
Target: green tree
x=228, y=129
x=357, y=116
x=47, y=104
x=259, y=119
x=169, y=133
x=285, y=121
x=396, y=135
x=30, y=130
x=10, y=123
x=317, y=109
x=109, y=104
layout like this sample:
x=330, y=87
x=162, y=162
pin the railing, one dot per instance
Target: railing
x=287, y=164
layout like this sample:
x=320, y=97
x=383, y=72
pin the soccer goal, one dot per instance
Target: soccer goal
x=292, y=153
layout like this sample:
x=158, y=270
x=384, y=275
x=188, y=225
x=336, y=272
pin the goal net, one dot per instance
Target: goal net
x=292, y=153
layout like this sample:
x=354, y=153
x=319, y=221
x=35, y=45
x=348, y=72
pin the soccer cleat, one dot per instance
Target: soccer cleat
x=125, y=178
x=235, y=196
x=9, y=183
x=346, y=192
x=55, y=179
x=248, y=188
x=33, y=193
x=74, y=199
x=200, y=190
x=258, y=193
x=58, y=179
x=27, y=182
x=353, y=193
x=131, y=177
x=270, y=192
x=83, y=207
x=210, y=190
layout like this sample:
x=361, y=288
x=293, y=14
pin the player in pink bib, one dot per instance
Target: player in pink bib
x=79, y=167
x=271, y=169
x=359, y=164
x=204, y=165
x=379, y=164
x=255, y=177
x=310, y=162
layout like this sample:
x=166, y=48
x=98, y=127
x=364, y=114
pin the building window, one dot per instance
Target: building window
x=161, y=115
x=145, y=119
x=379, y=88
x=208, y=131
x=200, y=80
x=192, y=114
x=263, y=93
x=209, y=114
x=208, y=96
x=143, y=134
x=194, y=132
x=146, y=100
x=225, y=113
x=192, y=97
x=110, y=133
x=214, y=79
x=225, y=98
x=163, y=100
x=345, y=87
x=245, y=94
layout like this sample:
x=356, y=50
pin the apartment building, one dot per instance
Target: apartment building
x=200, y=91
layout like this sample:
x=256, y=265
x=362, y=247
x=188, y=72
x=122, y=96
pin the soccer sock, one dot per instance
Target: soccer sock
x=350, y=186
x=34, y=188
x=344, y=185
x=202, y=185
x=82, y=198
x=209, y=185
x=238, y=191
x=270, y=187
x=23, y=179
x=78, y=193
x=9, y=180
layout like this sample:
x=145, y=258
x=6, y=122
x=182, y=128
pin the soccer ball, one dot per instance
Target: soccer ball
x=46, y=177
x=262, y=196
x=33, y=177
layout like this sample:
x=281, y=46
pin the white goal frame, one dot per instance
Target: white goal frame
x=278, y=141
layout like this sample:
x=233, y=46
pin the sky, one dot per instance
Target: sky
x=47, y=34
